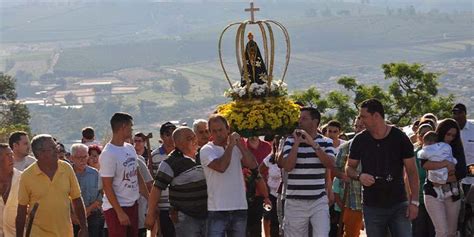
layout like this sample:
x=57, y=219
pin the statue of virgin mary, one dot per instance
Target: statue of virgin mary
x=256, y=69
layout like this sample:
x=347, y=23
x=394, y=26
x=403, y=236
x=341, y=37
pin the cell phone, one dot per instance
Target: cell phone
x=470, y=170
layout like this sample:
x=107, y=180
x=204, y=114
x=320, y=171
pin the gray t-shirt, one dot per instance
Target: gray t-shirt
x=22, y=165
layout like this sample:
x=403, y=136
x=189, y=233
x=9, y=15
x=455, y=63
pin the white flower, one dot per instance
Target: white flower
x=241, y=92
x=263, y=77
x=258, y=64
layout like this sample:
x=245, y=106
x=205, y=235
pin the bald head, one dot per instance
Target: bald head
x=185, y=140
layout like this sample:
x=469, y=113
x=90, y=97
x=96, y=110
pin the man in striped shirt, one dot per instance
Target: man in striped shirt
x=306, y=156
x=187, y=186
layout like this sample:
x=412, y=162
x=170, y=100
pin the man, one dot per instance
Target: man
x=187, y=186
x=9, y=183
x=122, y=183
x=384, y=152
x=88, y=136
x=222, y=161
x=306, y=155
x=139, y=141
x=88, y=178
x=352, y=217
x=20, y=145
x=202, y=132
x=333, y=130
x=467, y=137
x=52, y=184
x=159, y=155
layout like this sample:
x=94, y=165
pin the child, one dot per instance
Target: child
x=438, y=151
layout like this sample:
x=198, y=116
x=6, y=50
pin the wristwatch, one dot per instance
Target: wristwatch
x=416, y=203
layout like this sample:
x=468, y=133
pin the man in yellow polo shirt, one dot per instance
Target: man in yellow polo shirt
x=52, y=184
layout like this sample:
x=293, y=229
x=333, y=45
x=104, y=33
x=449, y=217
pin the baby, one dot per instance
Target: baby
x=438, y=151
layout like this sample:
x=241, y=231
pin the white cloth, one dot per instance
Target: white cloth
x=22, y=165
x=8, y=210
x=274, y=176
x=467, y=137
x=120, y=163
x=142, y=202
x=225, y=191
x=438, y=152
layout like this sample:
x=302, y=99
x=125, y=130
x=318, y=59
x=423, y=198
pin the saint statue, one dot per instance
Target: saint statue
x=256, y=70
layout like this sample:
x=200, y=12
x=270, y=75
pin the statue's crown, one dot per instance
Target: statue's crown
x=268, y=57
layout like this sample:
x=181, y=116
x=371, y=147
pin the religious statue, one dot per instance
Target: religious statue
x=256, y=70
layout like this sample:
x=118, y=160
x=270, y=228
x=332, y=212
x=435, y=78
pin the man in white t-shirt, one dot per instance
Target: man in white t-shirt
x=121, y=179
x=221, y=160
x=19, y=142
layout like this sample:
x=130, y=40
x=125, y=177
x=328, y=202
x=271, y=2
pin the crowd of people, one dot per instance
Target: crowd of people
x=207, y=180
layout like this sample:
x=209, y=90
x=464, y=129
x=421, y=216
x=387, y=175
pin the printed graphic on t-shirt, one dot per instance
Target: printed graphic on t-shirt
x=129, y=177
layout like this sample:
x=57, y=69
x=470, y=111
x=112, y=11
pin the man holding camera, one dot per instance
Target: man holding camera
x=306, y=156
x=384, y=152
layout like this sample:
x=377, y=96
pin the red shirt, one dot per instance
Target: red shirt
x=263, y=150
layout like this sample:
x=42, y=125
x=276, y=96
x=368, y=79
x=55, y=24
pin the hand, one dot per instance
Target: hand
x=150, y=220
x=307, y=138
x=233, y=139
x=83, y=233
x=451, y=167
x=74, y=220
x=345, y=178
x=88, y=212
x=123, y=218
x=267, y=201
x=173, y=216
x=366, y=179
x=412, y=212
x=331, y=198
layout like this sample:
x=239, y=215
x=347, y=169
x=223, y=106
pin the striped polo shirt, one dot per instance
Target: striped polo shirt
x=307, y=179
x=187, y=184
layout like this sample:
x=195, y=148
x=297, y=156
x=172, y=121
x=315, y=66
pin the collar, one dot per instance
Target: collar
x=61, y=168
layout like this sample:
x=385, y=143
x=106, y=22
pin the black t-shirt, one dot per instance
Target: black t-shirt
x=383, y=159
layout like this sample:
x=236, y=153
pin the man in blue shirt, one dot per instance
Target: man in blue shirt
x=88, y=178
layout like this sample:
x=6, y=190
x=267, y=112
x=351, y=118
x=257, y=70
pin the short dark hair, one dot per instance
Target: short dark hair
x=430, y=136
x=167, y=128
x=119, y=119
x=313, y=112
x=217, y=117
x=335, y=123
x=15, y=137
x=373, y=106
x=88, y=133
x=94, y=148
x=140, y=135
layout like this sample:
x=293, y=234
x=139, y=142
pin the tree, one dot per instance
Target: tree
x=412, y=93
x=13, y=114
x=181, y=85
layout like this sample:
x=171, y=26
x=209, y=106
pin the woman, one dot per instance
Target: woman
x=422, y=226
x=94, y=152
x=272, y=175
x=444, y=212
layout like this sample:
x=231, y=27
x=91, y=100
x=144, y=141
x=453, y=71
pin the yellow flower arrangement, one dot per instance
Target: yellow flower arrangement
x=266, y=116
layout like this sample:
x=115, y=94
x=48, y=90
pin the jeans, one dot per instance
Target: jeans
x=95, y=223
x=189, y=226
x=444, y=214
x=227, y=223
x=254, y=217
x=378, y=219
x=166, y=225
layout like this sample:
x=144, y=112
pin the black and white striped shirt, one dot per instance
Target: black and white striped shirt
x=307, y=179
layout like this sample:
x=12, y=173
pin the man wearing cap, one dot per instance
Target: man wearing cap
x=467, y=137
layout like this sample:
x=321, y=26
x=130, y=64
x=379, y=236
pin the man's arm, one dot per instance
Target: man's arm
x=109, y=192
x=248, y=160
x=412, y=173
x=289, y=162
x=143, y=189
x=351, y=171
x=222, y=163
x=413, y=180
x=326, y=160
x=153, y=200
x=20, y=220
x=80, y=213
